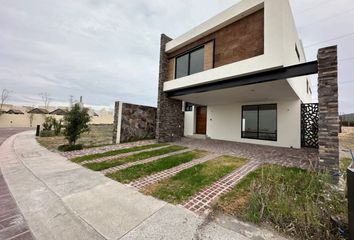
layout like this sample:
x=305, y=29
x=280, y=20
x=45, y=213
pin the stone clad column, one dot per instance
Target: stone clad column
x=328, y=108
x=170, y=117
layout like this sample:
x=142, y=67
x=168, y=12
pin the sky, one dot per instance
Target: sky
x=108, y=50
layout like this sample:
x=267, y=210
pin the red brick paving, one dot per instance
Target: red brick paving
x=143, y=182
x=12, y=223
x=201, y=201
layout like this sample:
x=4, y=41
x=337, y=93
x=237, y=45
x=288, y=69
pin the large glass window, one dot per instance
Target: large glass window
x=190, y=63
x=260, y=122
x=182, y=65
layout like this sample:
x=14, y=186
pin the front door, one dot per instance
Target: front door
x=201, y=120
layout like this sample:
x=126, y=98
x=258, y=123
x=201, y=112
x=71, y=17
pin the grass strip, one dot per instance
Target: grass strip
x=132, y=158
x=116, y=152
x=284, y=197
x=185, y=184
x=129, y=174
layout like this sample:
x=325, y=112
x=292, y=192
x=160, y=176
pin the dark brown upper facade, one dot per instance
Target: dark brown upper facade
x=238, y=41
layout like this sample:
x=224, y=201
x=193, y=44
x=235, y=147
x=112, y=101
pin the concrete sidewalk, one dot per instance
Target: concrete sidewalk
x=62, y=200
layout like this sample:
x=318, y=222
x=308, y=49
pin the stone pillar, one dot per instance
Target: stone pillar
x=328, y=108
x=170, y=117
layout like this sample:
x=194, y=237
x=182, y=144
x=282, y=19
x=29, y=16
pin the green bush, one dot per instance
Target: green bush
x=48, y=123
x=57, y=125
x=76, y=122
x=47, y=133
x=68, y=148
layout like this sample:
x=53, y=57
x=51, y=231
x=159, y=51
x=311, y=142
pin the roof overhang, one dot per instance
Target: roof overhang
x=260, y=77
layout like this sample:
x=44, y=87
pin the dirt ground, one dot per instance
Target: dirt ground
x=346, y=138
x=98, y=135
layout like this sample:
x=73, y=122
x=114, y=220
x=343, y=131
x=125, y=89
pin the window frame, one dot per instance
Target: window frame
x=258, y=132
x=188, y=107
x=189, y=59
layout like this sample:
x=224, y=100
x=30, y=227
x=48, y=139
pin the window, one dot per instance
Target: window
x=190, y=63
x=259, y=122
x=188, y=107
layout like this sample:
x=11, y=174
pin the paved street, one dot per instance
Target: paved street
x=62, y=200
x=12, y=223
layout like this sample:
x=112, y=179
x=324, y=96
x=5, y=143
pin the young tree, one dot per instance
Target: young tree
x=46, y=99
x=5, y=94
x=76, y=122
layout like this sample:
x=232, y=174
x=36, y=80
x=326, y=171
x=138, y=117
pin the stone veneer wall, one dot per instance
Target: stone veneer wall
x=328, y=108
x=170, y=117
x=135, y=122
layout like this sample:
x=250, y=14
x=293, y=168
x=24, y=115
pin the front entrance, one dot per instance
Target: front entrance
x=201, y=120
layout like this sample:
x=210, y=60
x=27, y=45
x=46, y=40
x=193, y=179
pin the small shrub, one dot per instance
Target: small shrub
x=57, y=125
x=68, y=148
x=47, y=133
x=48, y=123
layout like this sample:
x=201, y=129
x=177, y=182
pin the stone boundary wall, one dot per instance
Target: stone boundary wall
x=133, y=122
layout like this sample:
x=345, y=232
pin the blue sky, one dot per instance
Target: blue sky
x=108, y=50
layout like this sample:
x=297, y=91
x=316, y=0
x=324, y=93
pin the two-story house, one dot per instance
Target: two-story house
x=206, y=71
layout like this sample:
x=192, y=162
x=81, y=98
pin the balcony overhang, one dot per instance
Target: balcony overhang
x=259, y=77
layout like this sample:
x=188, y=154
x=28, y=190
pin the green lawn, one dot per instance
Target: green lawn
x=132, y=158
x=129, y=174
x=116, y=152
x=185, y=184
x=294, y=201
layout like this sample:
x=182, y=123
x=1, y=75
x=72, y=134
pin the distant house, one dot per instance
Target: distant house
x=59, y=111
x=38, y=111
x=14, y=111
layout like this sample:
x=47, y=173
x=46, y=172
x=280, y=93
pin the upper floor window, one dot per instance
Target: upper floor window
x=190, y=63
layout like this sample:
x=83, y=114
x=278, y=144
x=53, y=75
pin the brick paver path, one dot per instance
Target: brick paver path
x=143, y=182
x=130, y=164
x=12, y=223
x=103, y=159
x=304, y=158
x=203, y=199
x=257, y=154
x=89, y=151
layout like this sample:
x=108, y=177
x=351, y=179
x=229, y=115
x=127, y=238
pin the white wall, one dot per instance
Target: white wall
x=189, y=122
x=280, y=35
x=224, y=123
x=23, y=120
x=290, y=39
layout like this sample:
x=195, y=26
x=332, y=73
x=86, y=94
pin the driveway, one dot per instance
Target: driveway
x=62, y=200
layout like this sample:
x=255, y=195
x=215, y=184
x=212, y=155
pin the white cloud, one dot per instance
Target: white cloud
x=108, y=50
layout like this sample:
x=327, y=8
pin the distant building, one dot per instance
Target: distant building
x=59, y=111
x=14, y=111
x=38, y=111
